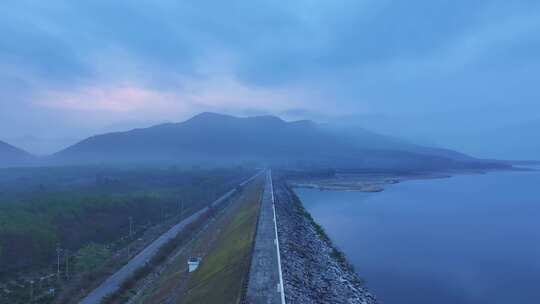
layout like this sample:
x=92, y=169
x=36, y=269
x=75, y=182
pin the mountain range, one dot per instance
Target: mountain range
x=212, y=138
x=217, y=139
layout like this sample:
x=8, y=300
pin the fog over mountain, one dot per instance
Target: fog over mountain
x=449, y=72
x=216, y=138
x=13, y=156
x=516, y=139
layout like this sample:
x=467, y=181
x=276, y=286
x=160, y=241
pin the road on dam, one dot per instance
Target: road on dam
x=265, y=284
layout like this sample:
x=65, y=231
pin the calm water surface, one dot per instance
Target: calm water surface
x=466, y=239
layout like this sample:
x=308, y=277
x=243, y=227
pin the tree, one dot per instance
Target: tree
x=92, y=257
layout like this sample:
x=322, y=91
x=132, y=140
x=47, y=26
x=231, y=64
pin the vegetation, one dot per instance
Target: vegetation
x=163, y=253
x=223, y=272
x=91, y=257
x=87, y=211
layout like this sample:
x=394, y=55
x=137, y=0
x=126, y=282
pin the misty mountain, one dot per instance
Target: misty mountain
x=216, y=138
x=11, y=156
x=518, y=140
x=373, y=140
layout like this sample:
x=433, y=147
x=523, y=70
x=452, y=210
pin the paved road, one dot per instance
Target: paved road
x=114, y=281
x=265, y=281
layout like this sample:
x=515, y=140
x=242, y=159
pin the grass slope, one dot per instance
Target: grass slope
x=223, y=272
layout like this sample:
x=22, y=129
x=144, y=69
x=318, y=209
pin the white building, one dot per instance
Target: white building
x=193, y=264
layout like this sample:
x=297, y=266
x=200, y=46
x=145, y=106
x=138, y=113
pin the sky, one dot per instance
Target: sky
x=455, y=73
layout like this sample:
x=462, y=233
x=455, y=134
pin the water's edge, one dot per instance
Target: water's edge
x=480, y=234
x=314, y=270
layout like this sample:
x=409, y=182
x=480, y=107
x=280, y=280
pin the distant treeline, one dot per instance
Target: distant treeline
x=42, y=208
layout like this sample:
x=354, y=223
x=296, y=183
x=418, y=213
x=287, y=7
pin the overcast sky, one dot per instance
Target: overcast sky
x=455, y=73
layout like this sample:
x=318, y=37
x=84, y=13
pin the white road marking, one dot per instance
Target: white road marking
x=281, y=289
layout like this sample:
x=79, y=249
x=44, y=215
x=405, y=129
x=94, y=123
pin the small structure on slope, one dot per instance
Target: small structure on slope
x=193, y=263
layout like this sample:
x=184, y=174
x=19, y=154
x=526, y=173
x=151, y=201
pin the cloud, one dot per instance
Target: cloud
x=109, y=99
x=216, y=93
x=106, y=61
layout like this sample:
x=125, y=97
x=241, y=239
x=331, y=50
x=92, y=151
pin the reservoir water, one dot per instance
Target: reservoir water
x=466, y=239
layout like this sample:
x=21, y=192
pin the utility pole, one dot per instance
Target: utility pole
x=31, y=291
x=130, y=226
x=67, y=263
x=58, y=250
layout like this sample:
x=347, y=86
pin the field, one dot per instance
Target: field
x=86, y=212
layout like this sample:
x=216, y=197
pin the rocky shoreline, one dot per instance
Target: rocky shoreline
x=314, y=271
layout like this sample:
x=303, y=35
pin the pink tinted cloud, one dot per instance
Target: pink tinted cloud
x=220, y=94
x=111, y=99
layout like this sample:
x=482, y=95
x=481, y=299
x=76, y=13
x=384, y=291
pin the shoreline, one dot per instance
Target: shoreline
x=463, y=184
x=373, y=182
x=314, y=269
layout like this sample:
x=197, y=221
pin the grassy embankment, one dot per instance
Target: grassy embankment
x=225, y=246
x=223, y=274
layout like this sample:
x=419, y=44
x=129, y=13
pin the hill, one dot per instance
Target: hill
x=216, y=138
x=11, y=156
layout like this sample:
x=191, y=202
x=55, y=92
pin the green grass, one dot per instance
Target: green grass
x=222, y=274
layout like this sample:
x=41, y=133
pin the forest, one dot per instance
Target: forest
x=86, y=212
